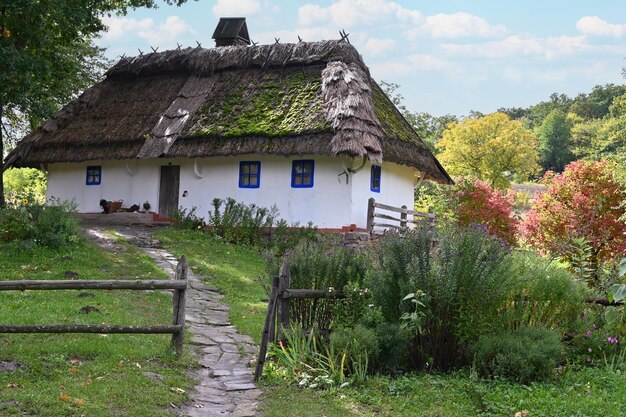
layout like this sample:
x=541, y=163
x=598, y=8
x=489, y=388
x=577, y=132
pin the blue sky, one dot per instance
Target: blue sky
x=448, y=56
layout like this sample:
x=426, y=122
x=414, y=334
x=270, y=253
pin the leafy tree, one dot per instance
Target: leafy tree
x=492, y=148
x=581, y=205
x=515, y=113
x=618, y=106
x=595, y=105
x=554, y=141
x=24, y=184
x=599, y=139
x=539, y=111
x=46, y=55
x=478, y=203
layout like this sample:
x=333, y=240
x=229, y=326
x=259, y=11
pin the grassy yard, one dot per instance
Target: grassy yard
x=235, y=271
x=83, y=374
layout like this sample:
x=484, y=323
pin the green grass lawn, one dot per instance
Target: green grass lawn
x=87, y=374
x=587, y=392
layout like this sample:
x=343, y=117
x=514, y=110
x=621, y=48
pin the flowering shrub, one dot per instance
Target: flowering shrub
x=582, y=202
x=481, y=204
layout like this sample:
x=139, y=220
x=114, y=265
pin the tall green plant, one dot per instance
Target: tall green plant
x=465, y=280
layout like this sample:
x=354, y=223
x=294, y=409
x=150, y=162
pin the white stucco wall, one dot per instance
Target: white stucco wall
x=396, y=189
x=331, y=203
x=67, y=182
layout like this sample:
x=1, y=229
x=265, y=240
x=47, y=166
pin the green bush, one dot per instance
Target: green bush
x=314, y=266
x=465, y=279
x=240, y=223
x=525, y=355
x=543, y=295
x=50, y=225
x=188, y=219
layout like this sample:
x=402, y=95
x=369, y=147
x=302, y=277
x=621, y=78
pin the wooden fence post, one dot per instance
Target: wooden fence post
x=179, y=300
x=267, y=329
x=403, y=218
x=284, y=283
x=370, y=214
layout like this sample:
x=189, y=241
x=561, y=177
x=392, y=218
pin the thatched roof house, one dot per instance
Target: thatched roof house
x=287, y=100
x=281, y=99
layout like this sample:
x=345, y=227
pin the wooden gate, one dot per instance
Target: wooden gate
x=168, y=190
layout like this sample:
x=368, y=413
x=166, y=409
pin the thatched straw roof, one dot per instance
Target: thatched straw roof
x=282, y=99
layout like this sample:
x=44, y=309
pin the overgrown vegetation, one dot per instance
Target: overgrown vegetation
x=542, y=295
x=27, y=223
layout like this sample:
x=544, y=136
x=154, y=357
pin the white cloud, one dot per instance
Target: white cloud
x=512, y=74
x=167, y=32
x=593, y=25
x=456, y=25
x=350, y=13
x=120, y=26
x=377, y=47
x=411, y=64
x=515, y=46
x=236, y=8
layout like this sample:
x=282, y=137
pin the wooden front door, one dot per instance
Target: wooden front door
x=168, y=190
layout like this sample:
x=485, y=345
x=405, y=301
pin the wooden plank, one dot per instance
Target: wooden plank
x=91, y=285
x=284, y=282
x=403, y=216
x=387, y=217
x=269, y=323
x=422, y=214
x=371, y=205
x=602, y=301
x=179, y=302
x=387, y=207
x=394, y=226
x=304, y=293
x=401, y=210
x=89, y=328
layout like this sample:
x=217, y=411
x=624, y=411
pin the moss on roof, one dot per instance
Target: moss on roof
x=269, y=104
x=391, y=120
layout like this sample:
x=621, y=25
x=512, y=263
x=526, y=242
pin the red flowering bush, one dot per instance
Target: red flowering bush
x=581, y=203
x=481, y=204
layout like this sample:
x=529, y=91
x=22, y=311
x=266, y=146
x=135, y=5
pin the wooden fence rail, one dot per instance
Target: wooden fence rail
x=277, y=317
x=400, y=221
x=178, y=284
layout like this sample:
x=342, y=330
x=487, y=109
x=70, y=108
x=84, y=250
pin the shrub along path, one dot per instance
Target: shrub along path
x=225, y=382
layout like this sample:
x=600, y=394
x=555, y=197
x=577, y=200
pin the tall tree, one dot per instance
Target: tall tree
x=492, y=148
x=595, y=105
x=555, y=136
x=46, y=54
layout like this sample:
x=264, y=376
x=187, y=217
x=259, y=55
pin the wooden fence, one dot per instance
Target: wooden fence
x=178, y=284
x=277, y=317
x=400, y=217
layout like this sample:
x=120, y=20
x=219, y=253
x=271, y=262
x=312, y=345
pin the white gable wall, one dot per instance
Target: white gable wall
x=331, y=203
x=397, y=184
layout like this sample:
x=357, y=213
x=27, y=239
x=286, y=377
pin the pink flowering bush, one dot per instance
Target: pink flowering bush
x=478, y=203
x=581, y=203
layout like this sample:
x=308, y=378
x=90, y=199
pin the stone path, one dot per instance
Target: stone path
x=225, y=382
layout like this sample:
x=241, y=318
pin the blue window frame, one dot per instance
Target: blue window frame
x=375, y=178
x=94, y=175
x=249, y=174
x=302, y=172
